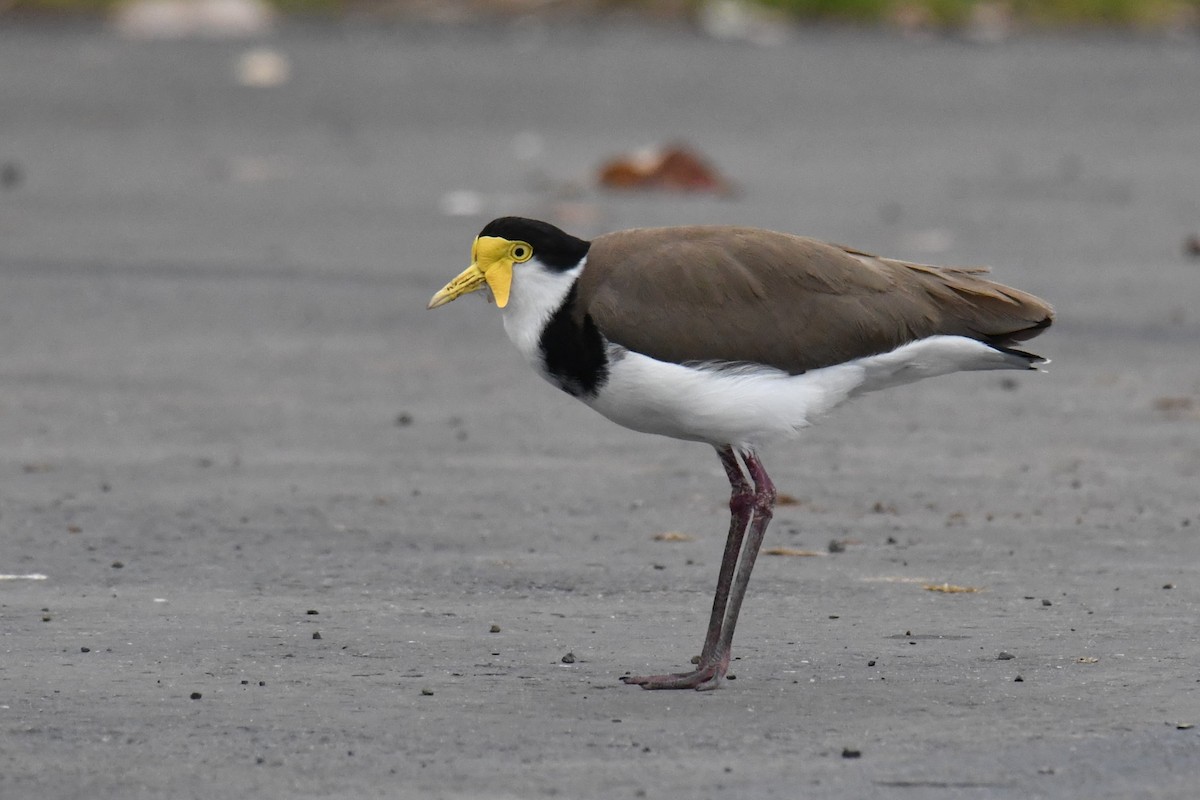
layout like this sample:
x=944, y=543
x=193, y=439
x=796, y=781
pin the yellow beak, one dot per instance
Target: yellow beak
x=491, y=264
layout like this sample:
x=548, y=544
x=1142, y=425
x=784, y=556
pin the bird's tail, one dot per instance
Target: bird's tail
x=940, y=355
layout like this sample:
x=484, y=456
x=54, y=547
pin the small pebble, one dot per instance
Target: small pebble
x=11, y=175
x=1168, y=586
x=871, y=663
x=851, y=752
x=196, y=695
x=1004, y=655
x=427, y=692
x=312, y=612
x=1047, y=603
x=85, y=649
x=495, y=628
x=1018, y=679
x=569, y=658
x=316, y=634
x=118, y=565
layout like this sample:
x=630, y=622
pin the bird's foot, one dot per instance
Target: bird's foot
x=705, y=678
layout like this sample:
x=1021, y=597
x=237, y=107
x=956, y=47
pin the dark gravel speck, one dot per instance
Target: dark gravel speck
x=11, y=175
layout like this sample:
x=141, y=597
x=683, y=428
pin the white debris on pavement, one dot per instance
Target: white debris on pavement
x=263, y=67
x=461, y=203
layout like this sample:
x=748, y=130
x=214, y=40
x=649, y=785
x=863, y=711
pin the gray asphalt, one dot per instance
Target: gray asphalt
x=228, y=424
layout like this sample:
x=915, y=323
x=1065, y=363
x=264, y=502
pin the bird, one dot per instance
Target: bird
x=737, y=337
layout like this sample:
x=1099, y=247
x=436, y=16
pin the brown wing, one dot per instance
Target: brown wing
x=742, y=294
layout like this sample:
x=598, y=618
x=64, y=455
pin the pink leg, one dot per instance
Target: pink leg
x=764, y=509
x=750, y=508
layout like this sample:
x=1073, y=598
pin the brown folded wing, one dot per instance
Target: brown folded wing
x=746, y=295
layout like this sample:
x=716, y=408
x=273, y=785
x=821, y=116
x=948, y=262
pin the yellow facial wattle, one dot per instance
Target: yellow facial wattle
x=492, y=260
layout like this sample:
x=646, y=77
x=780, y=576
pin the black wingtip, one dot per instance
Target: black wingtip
x=1032, y=360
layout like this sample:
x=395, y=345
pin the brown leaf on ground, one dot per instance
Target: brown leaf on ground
x=672, y=536
x=673, y=168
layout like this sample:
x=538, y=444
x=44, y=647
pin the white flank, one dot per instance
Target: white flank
x=749, y=406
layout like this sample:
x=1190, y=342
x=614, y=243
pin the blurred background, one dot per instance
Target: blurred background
x=223, y=402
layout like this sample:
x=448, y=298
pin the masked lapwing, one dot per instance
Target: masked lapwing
x=737, y=337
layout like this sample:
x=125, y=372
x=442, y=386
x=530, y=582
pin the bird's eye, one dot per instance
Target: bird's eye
x=521, y=252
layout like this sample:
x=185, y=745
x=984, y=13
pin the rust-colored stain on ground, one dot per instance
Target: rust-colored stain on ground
x=791, y=551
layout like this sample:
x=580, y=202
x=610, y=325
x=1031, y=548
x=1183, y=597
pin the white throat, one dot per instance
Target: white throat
x=536, y=294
